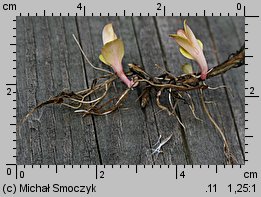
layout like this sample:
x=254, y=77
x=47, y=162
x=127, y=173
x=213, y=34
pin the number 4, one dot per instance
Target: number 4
x=182, y=174
x=79, y=6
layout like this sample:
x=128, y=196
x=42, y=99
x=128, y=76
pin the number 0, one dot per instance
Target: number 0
x=9, y=171
x=238, y=6
x=21, y=174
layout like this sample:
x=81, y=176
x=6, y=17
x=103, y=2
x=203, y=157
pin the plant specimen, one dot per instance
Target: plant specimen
x=96, y=101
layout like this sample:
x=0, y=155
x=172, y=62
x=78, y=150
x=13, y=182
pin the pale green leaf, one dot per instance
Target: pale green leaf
x=187, y=69
x=187, y=54
x=113, y=52
x=103, y=60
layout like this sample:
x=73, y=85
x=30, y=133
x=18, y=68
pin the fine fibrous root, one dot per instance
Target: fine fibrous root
x=228, y=154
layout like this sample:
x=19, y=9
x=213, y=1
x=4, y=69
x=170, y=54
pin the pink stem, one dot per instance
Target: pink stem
x=201, y=60
x=119, y=71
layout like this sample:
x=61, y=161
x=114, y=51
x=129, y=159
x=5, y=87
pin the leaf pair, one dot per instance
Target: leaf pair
x=191, y=48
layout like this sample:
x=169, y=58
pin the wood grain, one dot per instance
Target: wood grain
x=49, y=61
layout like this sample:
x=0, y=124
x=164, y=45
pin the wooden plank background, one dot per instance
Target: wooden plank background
x=49, y=61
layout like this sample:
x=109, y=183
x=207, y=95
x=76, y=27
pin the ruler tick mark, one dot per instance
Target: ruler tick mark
x=176, y=171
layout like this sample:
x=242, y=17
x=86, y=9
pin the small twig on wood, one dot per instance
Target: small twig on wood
x=157, y=150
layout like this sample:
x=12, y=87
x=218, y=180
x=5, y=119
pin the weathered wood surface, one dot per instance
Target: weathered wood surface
x=49, y=61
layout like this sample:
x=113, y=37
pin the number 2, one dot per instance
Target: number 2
x=9, y=91
x=159, y=6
